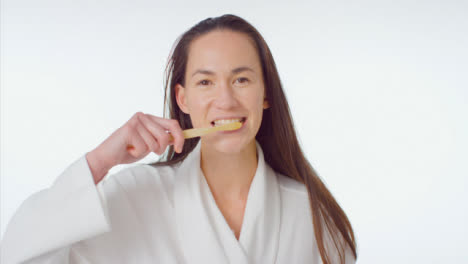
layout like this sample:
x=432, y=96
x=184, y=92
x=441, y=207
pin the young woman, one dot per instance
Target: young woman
x=242, y=196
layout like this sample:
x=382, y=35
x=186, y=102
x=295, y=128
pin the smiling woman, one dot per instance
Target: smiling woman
x=220, y=51
x=243, y=196
x=223, y=80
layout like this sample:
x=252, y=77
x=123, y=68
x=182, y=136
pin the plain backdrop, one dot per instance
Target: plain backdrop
x=378, y=91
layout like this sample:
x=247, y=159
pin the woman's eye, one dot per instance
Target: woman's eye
x=242, y=80
x=203, y=82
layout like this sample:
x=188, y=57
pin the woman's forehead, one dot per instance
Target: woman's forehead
x=222, y=51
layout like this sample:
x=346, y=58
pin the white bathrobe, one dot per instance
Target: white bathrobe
x=146, y=214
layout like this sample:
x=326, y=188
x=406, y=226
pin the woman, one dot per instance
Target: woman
x=243, y=196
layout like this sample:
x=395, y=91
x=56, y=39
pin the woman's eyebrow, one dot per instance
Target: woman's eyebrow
x=234, y=71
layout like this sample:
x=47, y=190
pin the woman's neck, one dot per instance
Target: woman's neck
x=229, y=175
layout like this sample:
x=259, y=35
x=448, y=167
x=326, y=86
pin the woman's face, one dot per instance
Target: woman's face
x=223, y=81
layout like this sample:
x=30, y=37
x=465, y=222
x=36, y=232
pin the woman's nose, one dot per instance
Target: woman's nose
x=225, y=96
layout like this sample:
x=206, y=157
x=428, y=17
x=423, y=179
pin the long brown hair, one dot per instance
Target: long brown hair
x=276, y=135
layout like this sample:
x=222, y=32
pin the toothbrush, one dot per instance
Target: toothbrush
x=198, y=132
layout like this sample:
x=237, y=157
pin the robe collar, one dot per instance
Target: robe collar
x=205, y=235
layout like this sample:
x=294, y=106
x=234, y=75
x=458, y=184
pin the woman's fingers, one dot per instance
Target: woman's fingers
x=136, y=145
x=151, y=143
x=141, y=134
x=157, y=131
x=174, y=127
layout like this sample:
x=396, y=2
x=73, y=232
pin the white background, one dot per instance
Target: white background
x=378, y=91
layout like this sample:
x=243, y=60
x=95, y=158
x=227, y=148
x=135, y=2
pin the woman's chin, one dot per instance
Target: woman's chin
x=227, y=145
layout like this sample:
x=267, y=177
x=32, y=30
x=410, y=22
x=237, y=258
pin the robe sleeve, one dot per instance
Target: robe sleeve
x=48, y=222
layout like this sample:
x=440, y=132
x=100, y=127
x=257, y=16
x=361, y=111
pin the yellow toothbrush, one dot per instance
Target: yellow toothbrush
x=198, y=132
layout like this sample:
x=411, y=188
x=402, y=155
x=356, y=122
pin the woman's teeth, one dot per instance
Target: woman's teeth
x=226, y=121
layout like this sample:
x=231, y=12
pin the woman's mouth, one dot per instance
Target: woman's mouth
x=219, y=122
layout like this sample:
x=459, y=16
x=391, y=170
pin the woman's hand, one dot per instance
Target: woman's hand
x=142, y=134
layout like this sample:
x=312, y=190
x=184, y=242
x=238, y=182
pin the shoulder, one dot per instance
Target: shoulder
x=294, y=197
x=143, y=174
x=297, y=213
x=291, y=186
x=142, y=180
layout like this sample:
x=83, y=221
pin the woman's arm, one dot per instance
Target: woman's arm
x=49, y=221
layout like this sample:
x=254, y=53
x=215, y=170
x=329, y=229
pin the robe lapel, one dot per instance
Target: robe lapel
x=261, y=225
x=196, y=235
x=204, y=233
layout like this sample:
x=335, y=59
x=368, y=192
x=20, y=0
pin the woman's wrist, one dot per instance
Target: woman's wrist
x=99, y=167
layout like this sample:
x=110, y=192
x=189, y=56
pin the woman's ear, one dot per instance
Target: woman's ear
x=180, y=98
x=265, y=104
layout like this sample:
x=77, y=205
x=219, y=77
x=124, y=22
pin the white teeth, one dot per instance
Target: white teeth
x=226, y=121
